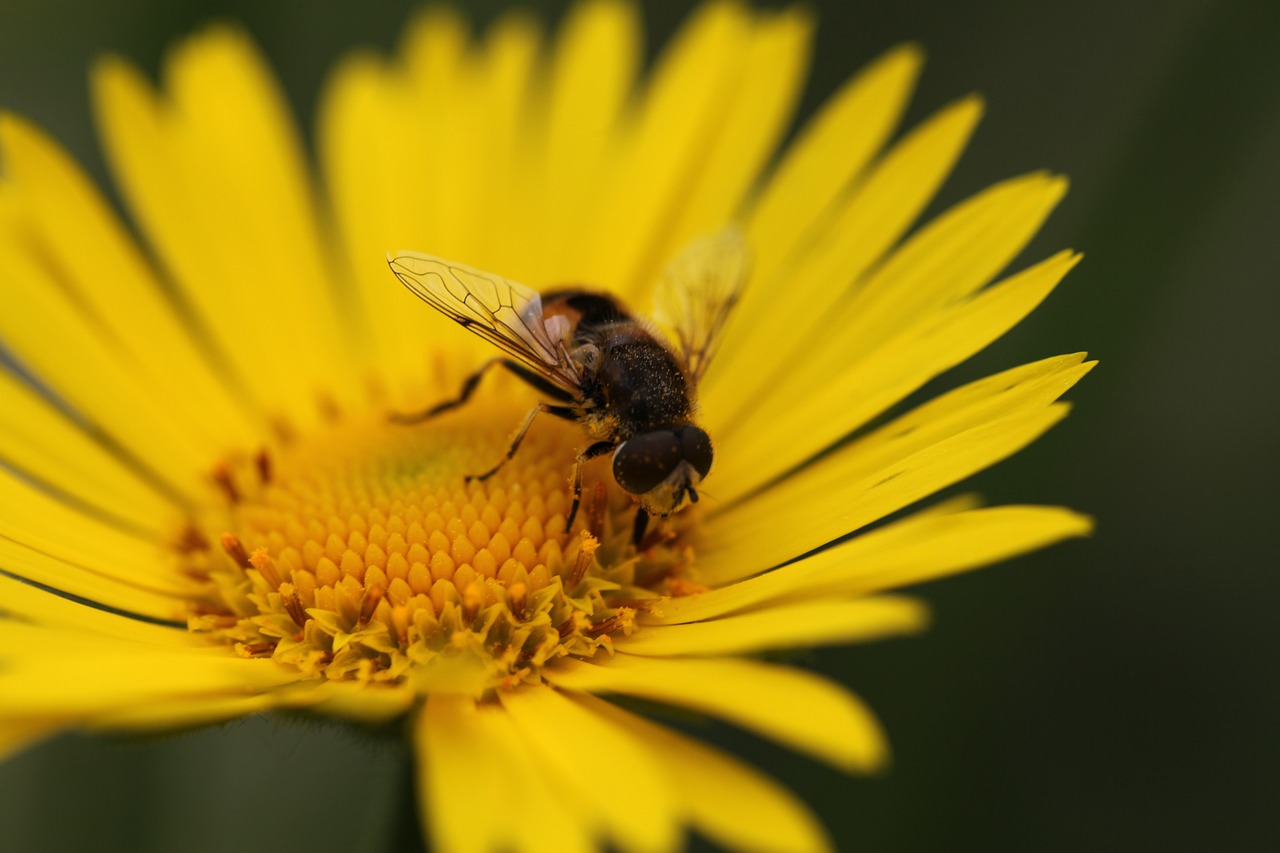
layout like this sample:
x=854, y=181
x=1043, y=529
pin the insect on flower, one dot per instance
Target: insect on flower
x=622, y=380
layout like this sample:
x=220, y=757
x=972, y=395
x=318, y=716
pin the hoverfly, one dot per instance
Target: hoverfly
x=632, y=391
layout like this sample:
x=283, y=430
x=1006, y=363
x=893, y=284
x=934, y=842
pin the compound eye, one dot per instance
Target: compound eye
x=642, y=462
x=696, y=447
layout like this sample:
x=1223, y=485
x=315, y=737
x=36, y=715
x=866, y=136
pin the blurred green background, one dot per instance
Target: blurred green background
x=1118, y=693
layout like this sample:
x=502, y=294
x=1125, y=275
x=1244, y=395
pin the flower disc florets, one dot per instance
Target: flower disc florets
x=365, y=553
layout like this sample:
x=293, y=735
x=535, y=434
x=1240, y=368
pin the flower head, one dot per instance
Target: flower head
x=206, y=511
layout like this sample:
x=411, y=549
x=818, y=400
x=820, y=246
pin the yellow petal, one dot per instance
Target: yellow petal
x=180, y=713
x=948, y=259
x=591, y=76
x=512, y=145
x=732, y=803
x=850, y=239
x=43, y=608
x=635, y=809
x=412, y=156
x=18, y=734
x=954, y=543
x=827, y=155
x=802, y=710
x=76, y=234
x=783, y=626
x=482, y=789
x=49, y=335
x=681, y=113
x=41, y=442
x=783, y=431
x=59, y=675
x=979, y=402
x=458, y=756
x=776, y=62
x=366, y=135
x=920, y=547
x=358, y=702
x=941, y=265
x=446, y=125
x=56, y=578
x=739, y=543
x=217, y=180
x=52, y=529
x=361, y=703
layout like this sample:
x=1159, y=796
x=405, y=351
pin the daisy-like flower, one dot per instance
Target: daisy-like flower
x=206, y=513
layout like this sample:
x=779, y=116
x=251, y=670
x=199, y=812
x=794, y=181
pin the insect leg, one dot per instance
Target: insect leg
x=471, y=382
x=600, y=448
x=639, y=526
x=559, y=411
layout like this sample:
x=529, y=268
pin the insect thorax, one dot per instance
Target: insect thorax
x=639, y=382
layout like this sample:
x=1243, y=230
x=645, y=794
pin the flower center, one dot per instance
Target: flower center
x=363, y=552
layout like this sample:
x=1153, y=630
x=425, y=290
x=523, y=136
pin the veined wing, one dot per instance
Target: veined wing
x=507, y=314
x=697, y=293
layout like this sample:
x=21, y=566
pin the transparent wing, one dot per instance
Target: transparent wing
x=507, y=314
x=697, y=293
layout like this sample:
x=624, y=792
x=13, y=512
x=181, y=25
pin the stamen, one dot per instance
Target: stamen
x=191, y=540
x=586, y=555
x=372, y=598
x=223, y=478
x=235, y=550
x=329, y=409
x=261, y=561
x=594, y=504
x=263, y=463
x=293, y=605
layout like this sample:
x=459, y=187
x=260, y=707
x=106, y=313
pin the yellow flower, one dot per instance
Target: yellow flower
x=206, y=513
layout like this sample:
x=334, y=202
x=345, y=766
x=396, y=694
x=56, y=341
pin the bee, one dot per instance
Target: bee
x=627, y=384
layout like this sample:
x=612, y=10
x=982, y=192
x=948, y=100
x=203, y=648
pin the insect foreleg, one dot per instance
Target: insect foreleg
x=559, y=411
x=470, y=384
x=600, y=448
x=639, y=526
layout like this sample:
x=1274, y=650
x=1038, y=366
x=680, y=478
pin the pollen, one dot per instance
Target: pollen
x=366, y=553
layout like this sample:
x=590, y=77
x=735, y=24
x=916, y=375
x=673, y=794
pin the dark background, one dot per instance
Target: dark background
x=1117, y=693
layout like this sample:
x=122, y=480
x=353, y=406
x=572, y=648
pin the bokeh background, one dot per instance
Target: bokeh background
x=1118, y=693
